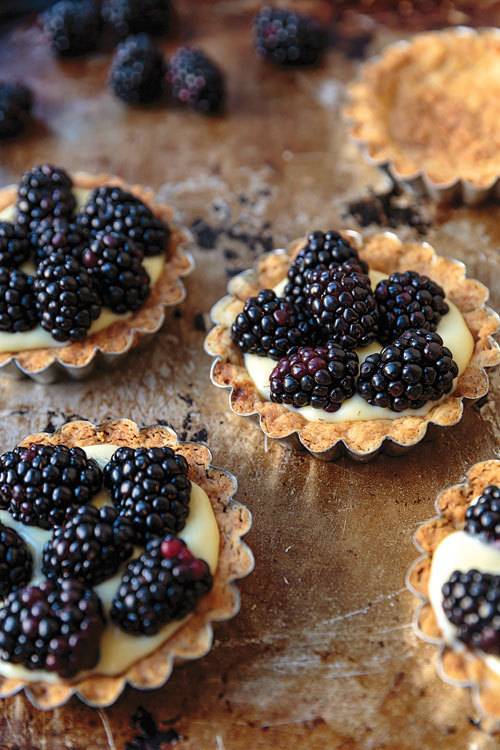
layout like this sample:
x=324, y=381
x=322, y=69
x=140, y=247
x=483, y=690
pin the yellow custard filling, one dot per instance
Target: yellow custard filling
x=120, y=650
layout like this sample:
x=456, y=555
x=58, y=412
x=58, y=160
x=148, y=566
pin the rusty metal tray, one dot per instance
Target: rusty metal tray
x=322, y=654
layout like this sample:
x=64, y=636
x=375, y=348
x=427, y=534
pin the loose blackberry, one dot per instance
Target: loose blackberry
x=137, y=72
x=135, y=16
x=471, y=602
x=73, y=28
x=414, y=369
x=150, y=488
x=89, y=547
x=16, y=104
x=44, y=191
x=17, y=301
x=197, y=81
x=342, y=302
x=163, y=584
x=115, y=264
x=16, y=562
x=288, y=38
x=58, y=236
x=15, y=247
x=482, y=519
x=408, y=301
x=323, y=377
x=323, y=250
x=67, y=301
x=39, y=483
x=269, y=326
x=111, y=209
x=52, y=626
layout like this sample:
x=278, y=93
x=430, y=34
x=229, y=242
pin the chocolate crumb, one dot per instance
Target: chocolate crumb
x=230, y=254
x=206, y=235
x=199, y=323
x=150, y=736
x=201, y=436
x=186, y=398
x=391, y=209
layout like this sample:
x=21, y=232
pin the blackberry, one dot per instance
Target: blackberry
x=323, y=377
x=89, y=547
x=44, y=191
x=16, y=104
x=115, y=264
x=137, y=73
x=197, y=81
x=16, y=562
x=58, y=236
x=471, y=602
x=342, y=302
x=408, y=301
x=39, y=483
x=482, y=519
x=150, y=488
x=414, y=369
x=52, y=626
x=66, y=298
x=111, y=209
x=163, y=584
x=269, y=326
x=135, y=16
x=15, y=247
x=323, y=250
x=17, y=301
x=73, y=28
x=288, y=38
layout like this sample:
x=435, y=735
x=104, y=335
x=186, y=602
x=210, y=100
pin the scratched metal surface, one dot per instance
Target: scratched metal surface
x=322, y=654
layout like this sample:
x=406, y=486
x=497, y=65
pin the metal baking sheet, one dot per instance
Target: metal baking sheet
x=322, y=654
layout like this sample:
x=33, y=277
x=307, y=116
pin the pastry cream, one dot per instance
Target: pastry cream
x=460, y=551
x=118, y=649
x=452, y=329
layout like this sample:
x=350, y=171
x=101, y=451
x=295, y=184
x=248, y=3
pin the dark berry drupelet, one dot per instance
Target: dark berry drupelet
x=323, y=250
x=16, y=562
x=288, y=38
x=58, y=236
x=342, y=302
x=482, y=519
x=44, y=192
x=15, y=246
x=137, y=73
x=269, y=326
x=90, y=546
x=39, y=483
x=17, y=301
x=53, y=626
x=67, y=300
x=414, y=369
x=197, y=81
x=408, y=301
x=112, y=209
x=150, y=488
x=136, y=16
x=73, y=28
x=471, y=602
x=323, y=377
x=115, y=265
x=16, y=104
x=163, y=584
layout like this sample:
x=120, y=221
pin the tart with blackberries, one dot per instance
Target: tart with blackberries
x=457, y=580
x=353, y=344
x=118, y=549
x=87, y=266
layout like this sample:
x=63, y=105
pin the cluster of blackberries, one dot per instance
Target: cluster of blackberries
x=329, y=310
x=56, y=625
x=482, y=518
x=471, y=602
x=83, y=260
x=285, y=37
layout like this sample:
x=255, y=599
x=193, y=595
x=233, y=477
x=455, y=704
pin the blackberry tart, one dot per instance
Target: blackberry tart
x=89, y=264
x=353, y=345
x=457, y=580
x=105, y=594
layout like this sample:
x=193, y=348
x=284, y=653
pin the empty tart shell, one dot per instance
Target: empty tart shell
x=459, y=667
x=386, y=253
x=427, y=111
x=194, y=638
x=79, y=358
